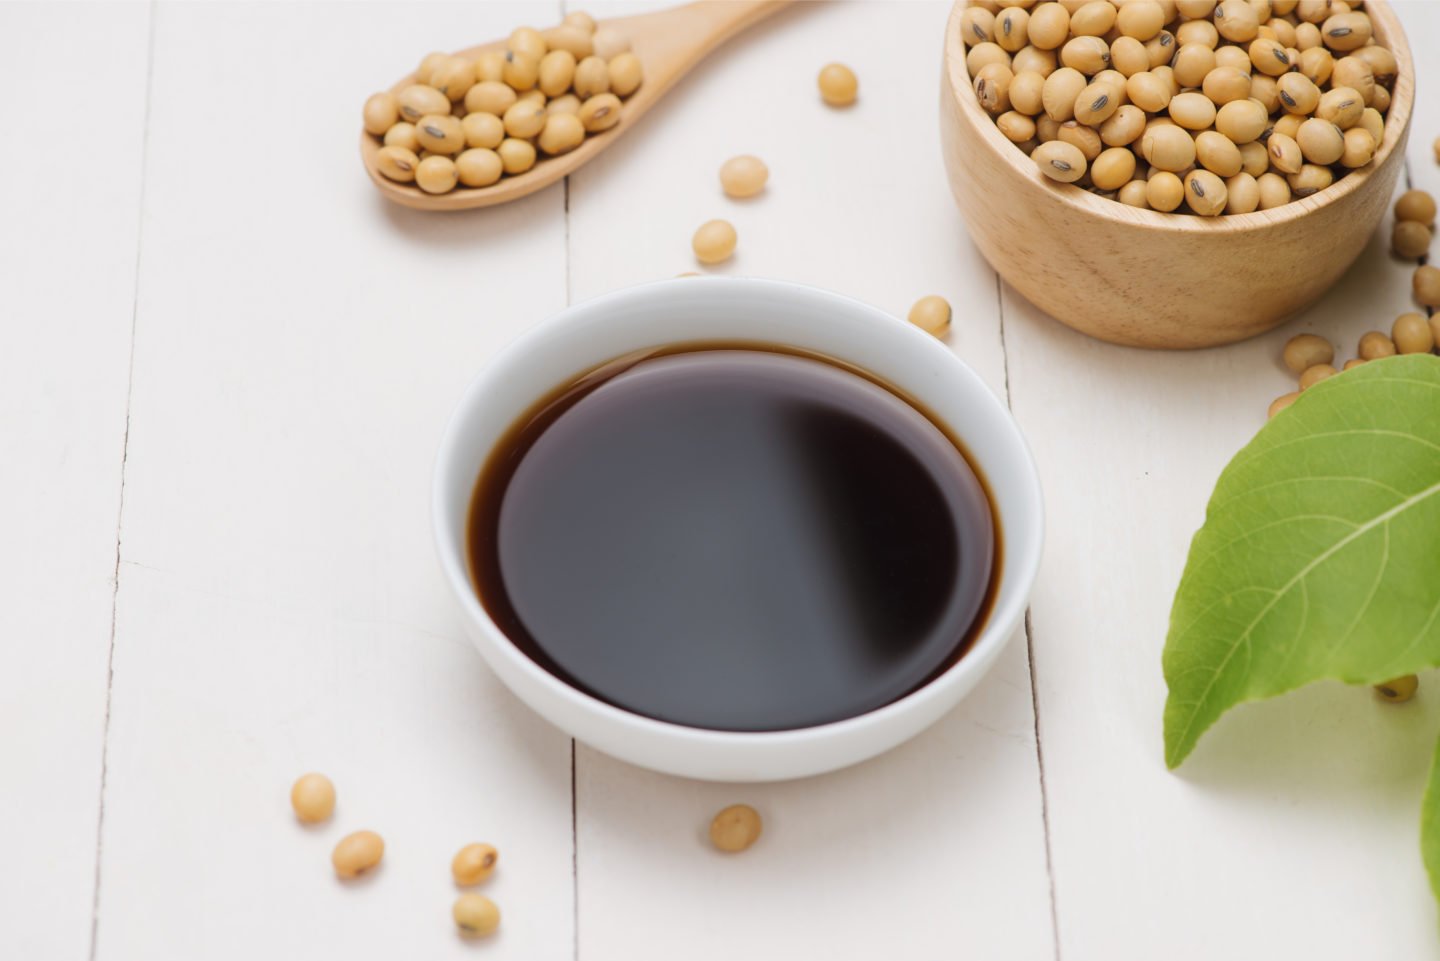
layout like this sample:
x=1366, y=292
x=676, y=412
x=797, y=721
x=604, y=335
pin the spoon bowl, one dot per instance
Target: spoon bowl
x=668, y=42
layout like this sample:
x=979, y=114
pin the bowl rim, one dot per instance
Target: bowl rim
x=1397, y=121
x=1005, y=616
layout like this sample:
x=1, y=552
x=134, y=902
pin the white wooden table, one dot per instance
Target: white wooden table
x=225, y=368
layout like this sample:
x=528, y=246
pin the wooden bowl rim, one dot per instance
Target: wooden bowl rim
x=1397, y=120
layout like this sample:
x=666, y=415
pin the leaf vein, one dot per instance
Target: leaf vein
x=1299, y=577
x=1248, y=492
x=1367, y=431
x=1201, y=561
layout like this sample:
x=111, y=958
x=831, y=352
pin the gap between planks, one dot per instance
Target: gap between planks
x=1030, y=663
x=150, y=13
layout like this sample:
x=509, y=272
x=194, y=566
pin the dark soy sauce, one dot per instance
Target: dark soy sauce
x=734, y=538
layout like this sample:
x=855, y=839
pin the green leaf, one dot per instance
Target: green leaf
x=1430, y=824
x=1320, y=553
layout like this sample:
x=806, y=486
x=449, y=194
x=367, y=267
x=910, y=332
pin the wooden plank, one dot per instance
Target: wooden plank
x=936, y=849
x=1422, y=25
x=67, y=241
x=1293, y=829
x=300, y=344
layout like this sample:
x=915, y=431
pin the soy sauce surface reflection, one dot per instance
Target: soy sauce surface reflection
x=734, y=539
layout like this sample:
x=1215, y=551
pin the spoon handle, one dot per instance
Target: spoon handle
x=671, y=42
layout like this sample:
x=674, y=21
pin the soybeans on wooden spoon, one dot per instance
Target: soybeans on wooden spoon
x=668, y=42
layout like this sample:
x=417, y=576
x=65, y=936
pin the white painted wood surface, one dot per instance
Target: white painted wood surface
x=297, y=346
x=69, y=223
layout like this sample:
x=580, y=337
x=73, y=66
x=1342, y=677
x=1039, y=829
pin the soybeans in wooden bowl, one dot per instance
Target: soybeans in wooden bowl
x=1144, y=278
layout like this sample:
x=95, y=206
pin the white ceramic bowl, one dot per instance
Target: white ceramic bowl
x=726, y=308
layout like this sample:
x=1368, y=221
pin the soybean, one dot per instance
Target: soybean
x=745, y=175
x=1320, y=141
x=1304, y=351
x=1282, y=402
x=626, y=74
x=1205, y=193
x=453, y=76
x=521, y=71
x=440, y=134
x=1049, y=25
x=1410, y=239
x=524, y=120
x=516, y=155
x=1342, y=106
x=1417, y=206
x=1426, y=285
x=490, y=96
x=1026, y=92
x=592, y=77
x=1133, y=194
x=1168, y=148
x=1375, y=345
x=566, y=37
x=1359, y=149
x=1315, y=375
x=1011, y=28
x=839, y=85
x=1113, y=168
x=1242, y=194
x=1225, y=85
x=483, y=130
x=1217, y=153
x=1060, y=161
x=557, y=72
x=397, y=163
x=600, y=112
x=479, y=167
x=419, y=100
x=1164, y=191
x=1193, y=111
x=735, y=828
x=1095, y=103
x=474, y=863
x=1298, y=94
x=359, y=852
x=402, y=134
x=382, y=111
x=567, y=103
x=436, y=175
x=475, y=915
x=1311, y=178
x=1399, y=690
x=1124, y=126
x=992, y=87
x=1274, y=190
x=714, y=242
x=1412, y=335
x=931, y=314
x=608, y=43
x=1062, y=88
x=562, y=133
x=313, y=798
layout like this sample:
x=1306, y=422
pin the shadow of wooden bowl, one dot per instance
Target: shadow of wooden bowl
x=1150, y=279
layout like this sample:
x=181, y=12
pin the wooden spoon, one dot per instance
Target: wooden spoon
x=668, y=43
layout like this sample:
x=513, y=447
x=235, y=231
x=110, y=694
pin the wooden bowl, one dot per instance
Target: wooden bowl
x=1149, y=279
